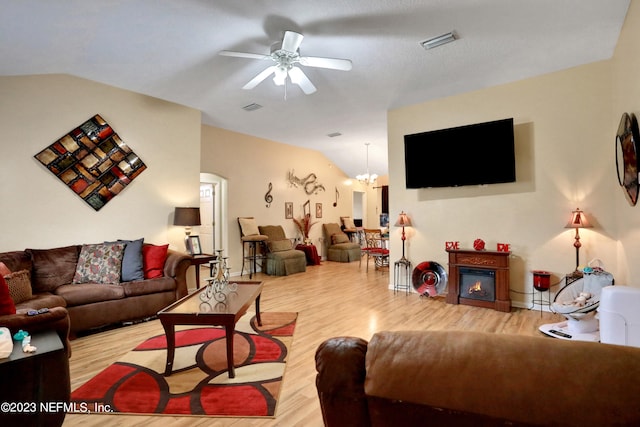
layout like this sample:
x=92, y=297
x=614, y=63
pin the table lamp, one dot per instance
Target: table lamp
x=187, y=217
x=578, y=220
x=403, y=221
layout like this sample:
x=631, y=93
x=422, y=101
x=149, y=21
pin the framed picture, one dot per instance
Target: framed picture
x=193, y=245
x=318, y=210
x=288, y=210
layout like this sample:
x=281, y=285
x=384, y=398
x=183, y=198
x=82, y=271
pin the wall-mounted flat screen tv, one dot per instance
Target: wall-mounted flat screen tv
x=475, y=154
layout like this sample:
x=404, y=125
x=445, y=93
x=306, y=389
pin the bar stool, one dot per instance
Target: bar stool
x=251, y=238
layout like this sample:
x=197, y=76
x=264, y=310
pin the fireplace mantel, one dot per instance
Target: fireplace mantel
x=490, y=260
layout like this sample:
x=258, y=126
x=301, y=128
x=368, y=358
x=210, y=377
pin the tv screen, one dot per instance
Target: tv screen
x=474, y=154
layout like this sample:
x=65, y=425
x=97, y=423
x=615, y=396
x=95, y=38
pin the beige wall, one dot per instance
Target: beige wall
x=564, y=160
x=565, y=126
x=249, y=164
x=38, y=211
x=626, y=98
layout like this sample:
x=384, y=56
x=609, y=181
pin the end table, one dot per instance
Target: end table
x=401, y=275
x=198, y=260
x=311, y=253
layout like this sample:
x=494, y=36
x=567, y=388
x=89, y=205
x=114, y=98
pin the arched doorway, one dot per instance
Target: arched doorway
x=213, y=212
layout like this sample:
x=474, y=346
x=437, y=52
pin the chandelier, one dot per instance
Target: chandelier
x=367, y=178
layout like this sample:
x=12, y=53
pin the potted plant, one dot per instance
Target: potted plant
x=304, y=225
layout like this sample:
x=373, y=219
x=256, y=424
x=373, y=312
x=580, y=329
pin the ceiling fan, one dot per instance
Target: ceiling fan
x=286, y=55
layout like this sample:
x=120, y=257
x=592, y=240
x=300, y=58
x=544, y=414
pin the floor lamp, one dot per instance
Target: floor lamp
x=578, y=220
x=403, y=221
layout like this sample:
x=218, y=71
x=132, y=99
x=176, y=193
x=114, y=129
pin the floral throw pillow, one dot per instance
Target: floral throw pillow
x=99, y=263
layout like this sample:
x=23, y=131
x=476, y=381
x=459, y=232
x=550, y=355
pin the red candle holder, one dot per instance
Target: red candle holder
x=541, y=280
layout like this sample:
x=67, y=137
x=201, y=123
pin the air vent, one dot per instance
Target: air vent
x=438, y=41
x=334, y=134
x=252, y=107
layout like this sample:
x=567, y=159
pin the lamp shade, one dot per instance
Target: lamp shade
x=403, y=220
x=186, y=217
x=578, y=220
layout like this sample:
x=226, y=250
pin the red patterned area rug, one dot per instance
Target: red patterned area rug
x=199, y=383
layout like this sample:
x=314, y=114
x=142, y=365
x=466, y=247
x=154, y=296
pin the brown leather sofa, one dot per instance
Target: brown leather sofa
x=90, y=305
x=455, y=378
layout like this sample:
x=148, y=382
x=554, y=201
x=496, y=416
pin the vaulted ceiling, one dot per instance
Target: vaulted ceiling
x=169, y=49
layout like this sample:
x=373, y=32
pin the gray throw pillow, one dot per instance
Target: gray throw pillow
x=132, y=265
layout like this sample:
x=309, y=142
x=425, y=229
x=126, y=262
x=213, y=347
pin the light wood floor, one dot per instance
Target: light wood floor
x=332, y=299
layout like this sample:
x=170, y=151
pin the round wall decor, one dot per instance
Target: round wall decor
x=627, y=157
x=429, y=278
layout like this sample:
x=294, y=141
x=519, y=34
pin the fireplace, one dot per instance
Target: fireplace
x=477, y=283
x=479, y=278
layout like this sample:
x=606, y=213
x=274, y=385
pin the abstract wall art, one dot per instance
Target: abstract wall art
x=93, y=162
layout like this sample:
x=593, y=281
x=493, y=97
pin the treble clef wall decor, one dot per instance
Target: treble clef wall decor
x=268, y=197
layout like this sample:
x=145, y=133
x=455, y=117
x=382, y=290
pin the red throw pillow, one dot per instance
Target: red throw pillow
x=153, y=258
x=6, y=303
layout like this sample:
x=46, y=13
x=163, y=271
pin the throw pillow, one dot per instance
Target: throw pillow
x=339, y=238
x=348, y=223
x=132, y=264
x=4, y=270
x=153, y=258
x=280, y=245
x=248, y=226
x=53, y=267
x=6, y=303
x=19, y=286
x=99, y=263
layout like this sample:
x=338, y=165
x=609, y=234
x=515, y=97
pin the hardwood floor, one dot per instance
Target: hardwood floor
x=332, y=299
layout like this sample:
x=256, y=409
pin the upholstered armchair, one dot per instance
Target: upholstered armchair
x=339, y=247
x=281, y=258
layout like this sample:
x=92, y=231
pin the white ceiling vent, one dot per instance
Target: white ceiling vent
x=438, y=41
x=252, y=107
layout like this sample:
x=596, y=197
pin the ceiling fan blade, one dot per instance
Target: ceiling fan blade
x=243, y=54
x=260, y=77
x=291, y=41
x=298, y=77
x=332, y=63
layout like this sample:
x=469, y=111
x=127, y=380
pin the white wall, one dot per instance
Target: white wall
x=39, y=211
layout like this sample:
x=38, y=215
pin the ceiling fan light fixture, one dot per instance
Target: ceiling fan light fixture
x=280, y=76
x=438, y=41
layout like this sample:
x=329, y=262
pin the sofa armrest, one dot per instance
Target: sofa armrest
x=176, y=266
x=57, y=319
x=340, y=363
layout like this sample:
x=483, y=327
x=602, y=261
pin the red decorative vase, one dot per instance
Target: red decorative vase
x=478, y=245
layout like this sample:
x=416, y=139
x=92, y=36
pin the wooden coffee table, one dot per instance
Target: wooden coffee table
x=191, y=310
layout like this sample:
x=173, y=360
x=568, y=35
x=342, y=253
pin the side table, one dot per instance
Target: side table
x=32, y=379
x=198, y=260
x=311, y=253
x=401, y=275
